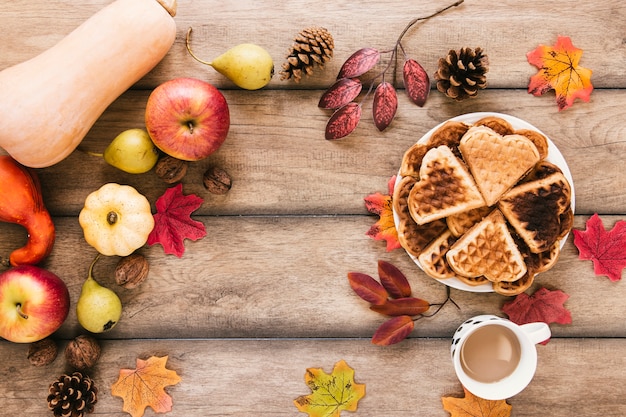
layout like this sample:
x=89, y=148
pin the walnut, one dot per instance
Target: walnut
x=217, y=180
x=171, y=169
x=83, y=352
x=131, y=270
x=43, y=352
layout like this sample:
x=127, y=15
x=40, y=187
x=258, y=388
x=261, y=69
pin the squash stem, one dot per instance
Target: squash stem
x=188, y=44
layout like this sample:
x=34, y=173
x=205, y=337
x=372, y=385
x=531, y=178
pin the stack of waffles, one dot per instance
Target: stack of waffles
x=479, y=202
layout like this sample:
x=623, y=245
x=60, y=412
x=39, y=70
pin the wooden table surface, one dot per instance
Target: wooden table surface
x=264, y=295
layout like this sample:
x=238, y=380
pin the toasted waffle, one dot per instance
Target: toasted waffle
x=511, y=288
x=497, y=124
x=449, y=134
x=487, y=249
x=412, y=236
x=539, y=140
x=462, y=222
x=445, y=187
x=463, y=239
x=433, y=257
x=513, y=155
x=535, y=210
x=412, y=160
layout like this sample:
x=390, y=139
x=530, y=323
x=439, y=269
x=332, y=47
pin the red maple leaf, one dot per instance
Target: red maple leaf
x=544, y=305
x=173, y=223
x=384, y=228
x=607, y=250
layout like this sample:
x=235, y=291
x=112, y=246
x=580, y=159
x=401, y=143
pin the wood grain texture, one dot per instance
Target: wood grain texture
x=255, y=377
x=264, y=295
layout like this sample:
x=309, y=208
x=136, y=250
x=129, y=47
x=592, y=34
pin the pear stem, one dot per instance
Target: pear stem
x=91, y=266
x=20, y=312
x=188, y=45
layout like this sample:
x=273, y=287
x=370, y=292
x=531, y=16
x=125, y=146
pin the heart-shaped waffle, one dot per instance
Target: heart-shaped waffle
x=497, y=162
x=488, y=249
x=445, y=187
x=536, y=208
x=412, y=236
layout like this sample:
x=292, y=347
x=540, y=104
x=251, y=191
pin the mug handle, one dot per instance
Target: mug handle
x=537, y=332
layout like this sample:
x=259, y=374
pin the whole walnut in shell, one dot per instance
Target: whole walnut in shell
x=82, y=352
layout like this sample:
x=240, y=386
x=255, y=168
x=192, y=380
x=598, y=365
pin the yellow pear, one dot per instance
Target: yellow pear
x=247, y=65
x=98, y=308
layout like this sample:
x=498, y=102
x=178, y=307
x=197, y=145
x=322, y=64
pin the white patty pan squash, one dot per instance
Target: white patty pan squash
x=116, y=219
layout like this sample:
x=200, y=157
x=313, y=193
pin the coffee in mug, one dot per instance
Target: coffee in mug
x=495, y=358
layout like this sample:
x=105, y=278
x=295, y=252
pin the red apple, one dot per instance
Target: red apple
x=187, y=118
x=34, y=303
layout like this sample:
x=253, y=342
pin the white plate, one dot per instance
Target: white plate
x=554, y=156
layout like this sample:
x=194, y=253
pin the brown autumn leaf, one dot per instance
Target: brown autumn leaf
x=343, y=121
x=367, y=288
x=385, y=105
x=393, y=331
x=407, y=306
x=473, y=406
x=341, y=93
x=144, y=386
x=393, y=280
x=359, y=63
x=416, y=82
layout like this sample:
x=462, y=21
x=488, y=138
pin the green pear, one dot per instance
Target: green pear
x=98, y=308
x=247, y=65
x=132, y=151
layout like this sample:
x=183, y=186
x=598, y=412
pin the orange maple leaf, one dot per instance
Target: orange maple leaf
x=384, y=228
x=559, y=70
x=473, y=406
x=144, y=386
x=330, y=393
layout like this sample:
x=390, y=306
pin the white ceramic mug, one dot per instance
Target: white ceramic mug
x=495, y=358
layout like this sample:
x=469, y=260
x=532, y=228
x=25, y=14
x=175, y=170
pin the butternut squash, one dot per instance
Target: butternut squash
x=50, y=102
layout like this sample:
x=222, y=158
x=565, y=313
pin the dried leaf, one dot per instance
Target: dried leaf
x=331, y=394
x=343, y=121
x=416, y=82
x=473, y=406
x=393, y=331
x=144, y=386
x=607, y=250
x=341, y=93
x=559, y=70
x=367, y=288
x=544, y=305
x=173, y=223
x=359, y=63
x=384, y=228
x=407, y=306
x=393, y=280
x=385, y=105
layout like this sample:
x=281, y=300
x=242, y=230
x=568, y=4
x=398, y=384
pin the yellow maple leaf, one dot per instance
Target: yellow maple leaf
x=145, y=386
x=330, y=393
x=559, y=70
x=473, y=406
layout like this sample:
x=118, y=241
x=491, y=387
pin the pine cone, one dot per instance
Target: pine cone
x=313, y=46
x=72, y=395
x=461, y=74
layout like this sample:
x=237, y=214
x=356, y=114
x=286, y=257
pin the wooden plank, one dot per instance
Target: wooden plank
x=281, y=164
x=507, y=30
x=286, y=277
x=244, y=377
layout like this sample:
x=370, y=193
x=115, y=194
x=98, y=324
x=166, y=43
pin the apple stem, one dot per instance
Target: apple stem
x=20, y=312
x=188, y=44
